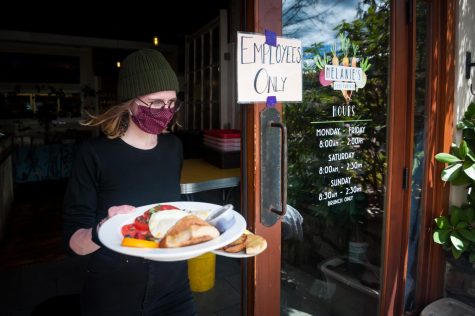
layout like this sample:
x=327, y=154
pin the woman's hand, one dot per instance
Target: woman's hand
x=81, y=241
x=121, y=209
x=114, y=210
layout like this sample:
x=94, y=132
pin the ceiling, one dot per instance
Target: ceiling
x=136, y=21
x=133, y=21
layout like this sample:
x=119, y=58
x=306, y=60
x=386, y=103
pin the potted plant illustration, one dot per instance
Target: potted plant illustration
x=456, y=232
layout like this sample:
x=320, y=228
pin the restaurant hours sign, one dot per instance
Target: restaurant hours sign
x=268, y=68
x=347, y=153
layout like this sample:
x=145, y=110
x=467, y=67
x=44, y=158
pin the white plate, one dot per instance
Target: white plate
x=240, y=254
x=110, y=234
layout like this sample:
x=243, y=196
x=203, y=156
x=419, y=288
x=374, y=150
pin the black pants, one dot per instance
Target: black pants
x=124, y=285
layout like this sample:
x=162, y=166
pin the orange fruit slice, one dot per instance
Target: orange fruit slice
x=138, y=243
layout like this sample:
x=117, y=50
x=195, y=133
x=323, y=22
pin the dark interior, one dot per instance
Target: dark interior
x=32, y=239
x=138, y=21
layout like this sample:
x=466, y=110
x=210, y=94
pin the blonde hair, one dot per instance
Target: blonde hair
x=113, y=122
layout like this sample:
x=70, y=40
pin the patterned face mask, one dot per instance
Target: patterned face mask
x=152, y=121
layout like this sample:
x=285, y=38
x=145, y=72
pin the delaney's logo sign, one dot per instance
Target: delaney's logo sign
x=344, y=70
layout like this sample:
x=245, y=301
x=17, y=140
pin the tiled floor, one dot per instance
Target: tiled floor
x=34, y=268
x=224, y=299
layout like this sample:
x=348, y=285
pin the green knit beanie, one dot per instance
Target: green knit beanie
x=143, y=72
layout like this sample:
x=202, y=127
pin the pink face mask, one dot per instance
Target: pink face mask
x=150, y=120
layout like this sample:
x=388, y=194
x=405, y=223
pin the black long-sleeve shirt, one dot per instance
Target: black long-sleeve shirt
x=110, y=172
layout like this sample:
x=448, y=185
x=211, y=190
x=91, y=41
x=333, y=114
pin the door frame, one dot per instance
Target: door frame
x=438, y=138
x=430, y=275
x=263, y=271
x=399, y=161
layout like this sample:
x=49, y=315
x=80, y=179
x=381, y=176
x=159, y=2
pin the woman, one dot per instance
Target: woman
x=134, y=165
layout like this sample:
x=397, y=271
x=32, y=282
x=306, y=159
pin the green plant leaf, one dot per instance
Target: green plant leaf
x=468, y=124
x=456, y=253
x=447, y=158
x=463, y=149
x=469, y=214
x=463, y=214
x=470, y=155
x=471, y=258
x=468, y=134
x=455, y=215
x=470, y=112
x=451, y=172
x=454, y=150
x=461, y=125
x=468, y=234
x=469, y=170
x=441, y=236
x=442, y=222
x=461, y=180
x=461, y=225
x=457, y=242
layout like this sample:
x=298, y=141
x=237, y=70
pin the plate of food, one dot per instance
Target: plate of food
x=246, y=246
x=171, y=231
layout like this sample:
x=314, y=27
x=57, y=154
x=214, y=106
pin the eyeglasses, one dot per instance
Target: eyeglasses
x=173, y=105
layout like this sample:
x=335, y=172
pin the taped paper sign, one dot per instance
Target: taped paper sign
x=264, y=70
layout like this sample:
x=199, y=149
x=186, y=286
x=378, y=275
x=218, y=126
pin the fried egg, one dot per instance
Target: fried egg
x=160, y=222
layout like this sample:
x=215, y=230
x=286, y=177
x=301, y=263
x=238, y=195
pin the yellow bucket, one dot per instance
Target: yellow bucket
x=201, y=272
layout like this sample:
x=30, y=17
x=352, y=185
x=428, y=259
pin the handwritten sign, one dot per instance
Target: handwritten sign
x=264, y=70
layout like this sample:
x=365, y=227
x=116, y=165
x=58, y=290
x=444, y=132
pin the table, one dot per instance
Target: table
x=197, y=175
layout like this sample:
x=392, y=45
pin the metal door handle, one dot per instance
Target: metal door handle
x=283, y=168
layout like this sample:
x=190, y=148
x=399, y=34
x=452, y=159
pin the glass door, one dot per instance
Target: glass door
x=354, y=149
x=333, y=232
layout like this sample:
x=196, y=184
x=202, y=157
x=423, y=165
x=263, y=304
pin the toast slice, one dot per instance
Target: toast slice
x=237, y=245
x=250, y=243
x=189, y=230
x=255, y=244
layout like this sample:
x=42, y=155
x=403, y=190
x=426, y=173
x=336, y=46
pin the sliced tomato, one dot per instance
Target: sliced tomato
x=164, y=207
x=156, y=208
x=147, y=215
x=139, y=229
x=130, y=230
x=146, y=236
x=141, y=223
